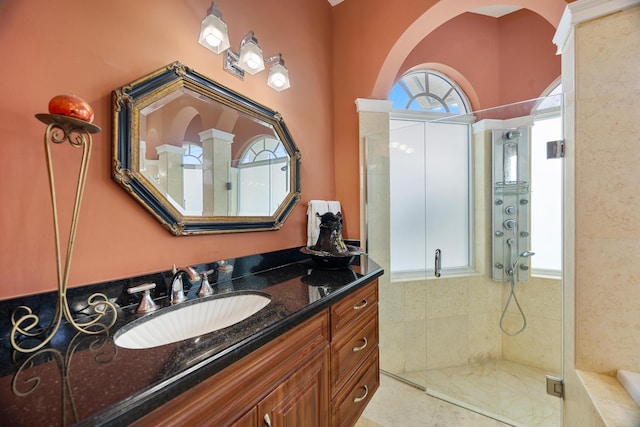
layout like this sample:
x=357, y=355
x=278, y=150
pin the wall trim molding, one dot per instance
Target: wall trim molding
x=586, y=10
x=373, y=105
x=493, y=124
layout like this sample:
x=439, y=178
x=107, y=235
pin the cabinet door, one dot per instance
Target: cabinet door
x=250, y=419
x=302, y=400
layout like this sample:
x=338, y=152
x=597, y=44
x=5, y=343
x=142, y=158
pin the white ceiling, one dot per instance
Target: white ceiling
x=495, y=11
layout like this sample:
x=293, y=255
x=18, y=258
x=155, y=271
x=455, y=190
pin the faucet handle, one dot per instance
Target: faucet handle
x=224, y=266
x=146, y=302
x=205, y=287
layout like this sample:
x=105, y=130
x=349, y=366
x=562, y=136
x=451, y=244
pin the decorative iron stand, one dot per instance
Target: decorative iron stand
x=103, y=312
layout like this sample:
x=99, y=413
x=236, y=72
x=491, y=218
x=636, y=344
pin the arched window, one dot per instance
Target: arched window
x=430, y=176
x=192, y=154
x=263, y=148
x=263, y=176
x=429, y=91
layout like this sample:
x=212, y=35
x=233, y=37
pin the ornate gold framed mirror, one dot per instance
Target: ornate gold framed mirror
x=200, y=157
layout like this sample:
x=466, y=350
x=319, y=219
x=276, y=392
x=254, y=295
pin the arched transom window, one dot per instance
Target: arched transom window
x=264, y=148
x=428, y=91
x=430, y=170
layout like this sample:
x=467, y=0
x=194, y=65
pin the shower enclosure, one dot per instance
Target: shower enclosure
x=481, y=326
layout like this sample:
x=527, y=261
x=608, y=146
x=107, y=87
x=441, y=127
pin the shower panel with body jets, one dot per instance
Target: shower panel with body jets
x=511, y=192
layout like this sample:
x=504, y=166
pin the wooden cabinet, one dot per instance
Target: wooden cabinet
x=302, y=400
x=286, y=379
x=354, y=354
x=321, y=373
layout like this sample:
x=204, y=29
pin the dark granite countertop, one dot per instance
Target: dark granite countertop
x=87, y=380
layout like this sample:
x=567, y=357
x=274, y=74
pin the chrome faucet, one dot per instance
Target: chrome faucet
x=205, y=286
x=176, y=290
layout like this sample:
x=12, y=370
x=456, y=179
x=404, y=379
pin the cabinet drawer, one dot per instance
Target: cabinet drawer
x=350, y=350
x=354, y=307
x=354, y=397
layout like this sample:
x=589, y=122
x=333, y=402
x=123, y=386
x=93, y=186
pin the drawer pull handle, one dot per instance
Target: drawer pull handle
x=363, y=304
x=362, y=347
x=363, y=397
x=267, y=420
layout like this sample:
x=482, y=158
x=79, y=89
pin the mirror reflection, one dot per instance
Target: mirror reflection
x=189, y=153
x=202, y=158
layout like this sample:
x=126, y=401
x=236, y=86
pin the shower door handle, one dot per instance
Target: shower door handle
x=438, y=262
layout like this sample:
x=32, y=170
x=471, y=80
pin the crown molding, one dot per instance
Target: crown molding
x=374, y=105
x=586, y=10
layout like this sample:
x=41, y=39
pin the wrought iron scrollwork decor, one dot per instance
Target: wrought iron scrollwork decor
x=26, y=334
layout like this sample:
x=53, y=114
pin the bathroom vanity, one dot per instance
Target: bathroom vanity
x=310, y=357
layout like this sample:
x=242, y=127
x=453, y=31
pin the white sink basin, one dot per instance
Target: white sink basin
x=189, y=320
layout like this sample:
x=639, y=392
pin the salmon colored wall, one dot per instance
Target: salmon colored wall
x=92, y=47
x=527, y=68
x=489, y=53
x=372, y=39
x=334, y=55
x=469, y=44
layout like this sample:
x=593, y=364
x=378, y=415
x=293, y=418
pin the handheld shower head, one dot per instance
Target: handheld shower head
x=525, y=254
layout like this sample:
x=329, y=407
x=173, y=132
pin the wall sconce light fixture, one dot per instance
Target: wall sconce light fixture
x=214, y=36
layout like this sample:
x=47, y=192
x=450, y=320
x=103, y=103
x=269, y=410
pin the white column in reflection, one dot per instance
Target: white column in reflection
x=216, y=159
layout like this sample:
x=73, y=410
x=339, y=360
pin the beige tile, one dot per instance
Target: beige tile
x=607, y=292
x=391, y=302
x=505, y=390
x=447, y=341
x=415, y=346
x=485, y=295
x=541, y=297
x=364, y=422
x=415, y=300
x=484, y=340
x=608, y=44
x=399, y=405
x=392, y=347
x=446, y=298
x=608, y=181
x=539, y=345
x=611, y=399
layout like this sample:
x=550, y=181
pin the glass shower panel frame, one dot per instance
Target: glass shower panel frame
x=430, y=197
x=457, y=316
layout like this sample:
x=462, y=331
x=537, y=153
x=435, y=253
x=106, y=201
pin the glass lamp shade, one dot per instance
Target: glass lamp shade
x=213, y=34
x=278, y=77
x=251, y=59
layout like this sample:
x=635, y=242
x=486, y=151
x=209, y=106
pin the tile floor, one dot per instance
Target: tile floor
x=506, y=392
x=397, y=404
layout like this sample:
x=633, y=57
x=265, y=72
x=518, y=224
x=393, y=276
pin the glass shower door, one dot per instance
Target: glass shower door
x=443, y=334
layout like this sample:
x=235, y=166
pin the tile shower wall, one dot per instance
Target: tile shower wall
x=454, y=319
x=602, y=237
x=540, y=344
x=461, y=316
x=607, y=183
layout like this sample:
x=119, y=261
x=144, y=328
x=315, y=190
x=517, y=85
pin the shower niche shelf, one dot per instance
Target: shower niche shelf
x=511, y=188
